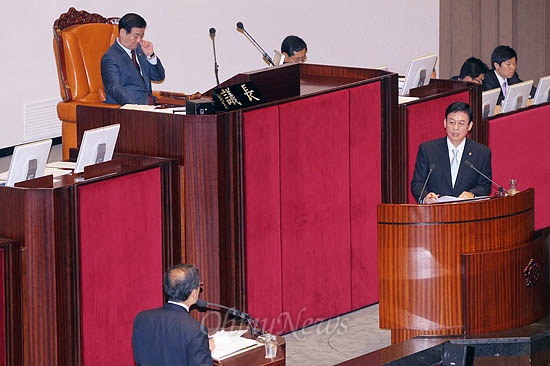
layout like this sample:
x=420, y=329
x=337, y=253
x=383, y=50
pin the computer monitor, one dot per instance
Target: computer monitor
x=517, y=96
x=97, y=146
x=489, y=100
x=419, y=74
x=28, y=161
x=542, y=94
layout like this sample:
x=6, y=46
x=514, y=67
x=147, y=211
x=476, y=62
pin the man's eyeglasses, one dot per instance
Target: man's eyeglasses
x=299, y=60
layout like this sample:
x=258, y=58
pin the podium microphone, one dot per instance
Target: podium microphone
x=432, y=167
x=212, y=36
x=240, y=28
x=500, y=189
x=235, y=313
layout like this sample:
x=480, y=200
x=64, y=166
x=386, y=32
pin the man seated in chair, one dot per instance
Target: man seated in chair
x=130, y=64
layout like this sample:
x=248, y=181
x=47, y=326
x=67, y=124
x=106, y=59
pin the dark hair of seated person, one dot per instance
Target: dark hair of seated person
x=503, y=53
x=293, y=44
x=473, y=67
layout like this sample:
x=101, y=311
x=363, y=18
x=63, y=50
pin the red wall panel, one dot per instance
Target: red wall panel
x=120, y=260
x=518, y=144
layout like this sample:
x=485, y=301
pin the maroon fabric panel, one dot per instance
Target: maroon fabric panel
x=424, y=123
x=519, y=147
x=2, y=308
x=262, y=210
x=315, y=210
x=365, y=192
x=121, y=262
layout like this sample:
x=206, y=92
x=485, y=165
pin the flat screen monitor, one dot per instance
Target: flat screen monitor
x=489, y=100
x=419, y=74
x=517, y=96
x=28, y=161
x=542, y=94
x=97, y=146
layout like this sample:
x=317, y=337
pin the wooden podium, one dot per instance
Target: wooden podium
x=271, y=193
x=84, y=256
x=461, y=268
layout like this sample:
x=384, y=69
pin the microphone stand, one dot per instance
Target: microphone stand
x=212, y=36
x=266, y=57
x=498, y=186
x=252, y=322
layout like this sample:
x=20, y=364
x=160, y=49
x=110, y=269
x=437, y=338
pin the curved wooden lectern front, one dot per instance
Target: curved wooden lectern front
x=458, y=267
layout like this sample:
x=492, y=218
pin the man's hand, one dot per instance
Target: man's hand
x=466, y=194
x=431, y=198
x=147, y=47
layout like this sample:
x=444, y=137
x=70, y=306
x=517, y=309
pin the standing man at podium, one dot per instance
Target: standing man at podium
x=169, y=335
x=130, y=64
x=440, y=168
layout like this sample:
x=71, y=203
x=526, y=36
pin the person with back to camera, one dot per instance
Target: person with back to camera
x=504, y=61
x=294, y=49
x=130, y=64
x=446, y=157
x=472, y=70
x=170, y=336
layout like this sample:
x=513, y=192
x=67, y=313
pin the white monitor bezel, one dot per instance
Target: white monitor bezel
x=22, y=155
x=412, y=78
x=522, y=89
x=543, y=90
x=490, y=98
x=87, y=153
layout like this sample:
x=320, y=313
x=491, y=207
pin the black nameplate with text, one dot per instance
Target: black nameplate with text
x=242, y=95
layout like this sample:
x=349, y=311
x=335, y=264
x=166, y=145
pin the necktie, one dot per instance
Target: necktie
x=505, y=88
x=454, y=166
x=134, y=60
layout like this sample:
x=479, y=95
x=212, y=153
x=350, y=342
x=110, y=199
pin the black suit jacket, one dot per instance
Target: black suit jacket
x=122, y=82
x=491, y=82
x=436, y=152
x=169, y=336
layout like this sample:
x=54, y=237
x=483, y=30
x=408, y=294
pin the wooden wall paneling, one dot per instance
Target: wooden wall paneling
x=493, y=303
x=445, y=39
x=12, y=335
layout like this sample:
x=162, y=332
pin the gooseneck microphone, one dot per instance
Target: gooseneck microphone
x=240, y=28
x=432, y=167
x=253, y=323
x=212, y=36
x=500, y=188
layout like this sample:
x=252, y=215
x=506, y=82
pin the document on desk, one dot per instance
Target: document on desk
x=444, y=199
x=230, y=343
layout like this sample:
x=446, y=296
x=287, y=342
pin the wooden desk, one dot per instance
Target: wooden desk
x=439, y=264
x=256, y=357
x=89, y=248
x=271, y=193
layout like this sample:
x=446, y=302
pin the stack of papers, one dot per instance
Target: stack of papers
x=230, y=343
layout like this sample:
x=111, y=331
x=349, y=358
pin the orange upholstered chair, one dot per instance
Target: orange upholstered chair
x=80, y=40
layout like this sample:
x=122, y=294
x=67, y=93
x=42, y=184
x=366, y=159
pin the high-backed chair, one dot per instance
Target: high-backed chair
x=80, y=40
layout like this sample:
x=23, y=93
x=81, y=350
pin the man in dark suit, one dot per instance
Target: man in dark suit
x=130, y=64
x=169, y=335
x=446, y=157
x=504, y=61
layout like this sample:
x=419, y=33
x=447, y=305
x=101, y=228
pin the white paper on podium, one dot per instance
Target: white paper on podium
x=229, y=343
x=444, y=199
